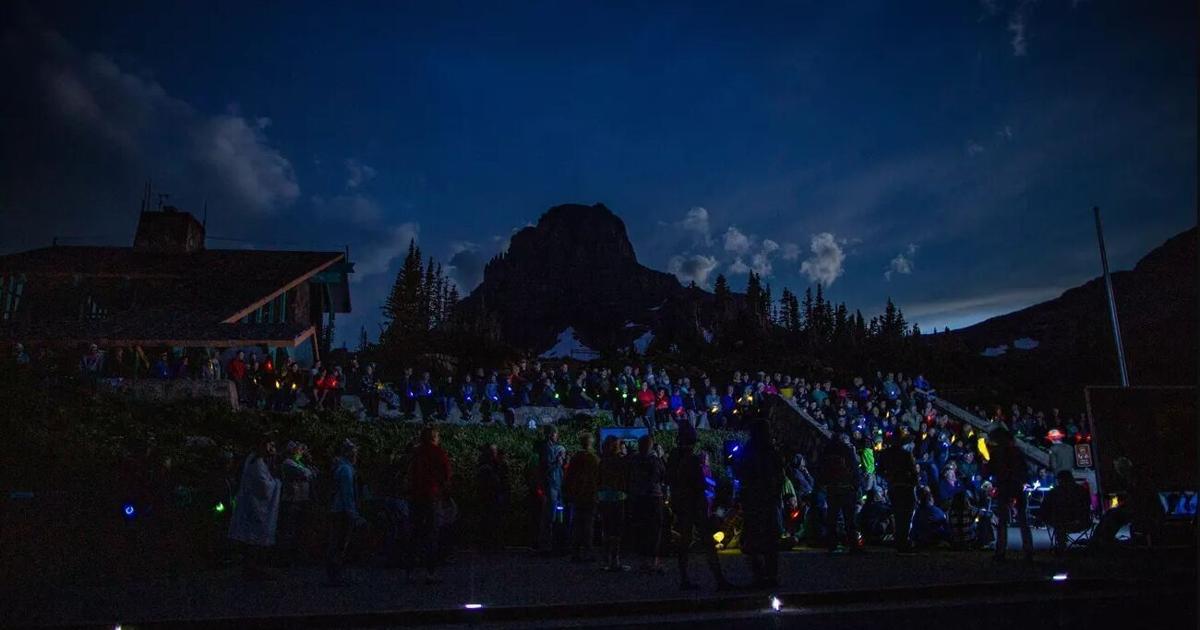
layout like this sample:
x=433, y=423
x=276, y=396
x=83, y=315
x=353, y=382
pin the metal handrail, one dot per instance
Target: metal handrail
x=1031, y=452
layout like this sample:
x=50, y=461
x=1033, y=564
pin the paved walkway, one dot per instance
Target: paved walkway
x=511, y=579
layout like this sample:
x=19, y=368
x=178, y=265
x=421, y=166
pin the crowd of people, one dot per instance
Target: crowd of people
x=896, y=469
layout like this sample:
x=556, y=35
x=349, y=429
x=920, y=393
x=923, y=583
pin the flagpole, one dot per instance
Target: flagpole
x=1112, y=301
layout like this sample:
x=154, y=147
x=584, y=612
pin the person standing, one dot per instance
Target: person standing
x=492, y=493
x=897, y=466
x=611, y=501
x=1008, y=468
x=429, y=477
x=840, y=479
x=256, y=510
x=686, y=476
x=368, y=391
x=760, y=469
x=344, y=513
x=580, y=484
x=91, y=365
x=646, y=473
x=551, y=458
x=646, y=398
x=296, y=495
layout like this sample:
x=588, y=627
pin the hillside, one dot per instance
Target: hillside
x=1066, y=343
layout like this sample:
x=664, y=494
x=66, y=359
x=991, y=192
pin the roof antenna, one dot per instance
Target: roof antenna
x=146, y=195
x=204, y=224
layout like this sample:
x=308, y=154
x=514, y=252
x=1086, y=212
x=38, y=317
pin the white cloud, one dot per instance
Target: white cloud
x=769, y=246
x=227, y=157
x=695, y=222
x=736, y=242
x=825, y=265
x=695, y=268
x=465, y=267
x=902, y=263
x=964, y=311
x=358, y=173
x=1016, y=26
x=737, y=267
x=761, y=263
x=377, y=256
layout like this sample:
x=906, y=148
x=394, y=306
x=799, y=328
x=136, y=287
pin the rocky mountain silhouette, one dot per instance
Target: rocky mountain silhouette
x=577, y=270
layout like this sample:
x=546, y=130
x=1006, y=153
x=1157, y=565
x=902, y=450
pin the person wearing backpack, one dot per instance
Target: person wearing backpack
x=840, y=479
x=897, y=466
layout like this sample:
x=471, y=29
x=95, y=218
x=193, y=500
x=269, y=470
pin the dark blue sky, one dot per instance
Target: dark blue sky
x=946, y=154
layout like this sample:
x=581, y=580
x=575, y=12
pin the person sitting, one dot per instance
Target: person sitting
x=1066, y=509
x=930, y=525
x=962, y=517
x=875, y=517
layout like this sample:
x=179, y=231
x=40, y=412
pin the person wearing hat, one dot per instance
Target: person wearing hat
x=297, y=482
x=344, y=512
x=686, y=478
x=1062, y=454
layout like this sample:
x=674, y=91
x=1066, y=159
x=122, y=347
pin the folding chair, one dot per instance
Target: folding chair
x=1078, y=534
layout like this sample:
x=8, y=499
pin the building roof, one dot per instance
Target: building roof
x=197, y=296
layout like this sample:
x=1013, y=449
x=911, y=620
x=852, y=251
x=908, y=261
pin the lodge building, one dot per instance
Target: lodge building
x=168, y=291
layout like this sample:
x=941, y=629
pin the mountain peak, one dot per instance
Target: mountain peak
x=576, y=268
x=572, y=231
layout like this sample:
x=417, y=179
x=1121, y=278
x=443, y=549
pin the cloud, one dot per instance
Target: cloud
x=240, y=156
x=695, y=268
x=227, y=156
x=360, y=210
x=736, y=242
x=358, y=173
x=377, y=256
x=769, y=246
x=965, y=311
x=465, y=267
x=737, y=267
x=1006, y=133
x=902, y=263
x=791, y=251
x=1016, y=26
x=695, y=222
x=974, y=148
x=825, y=265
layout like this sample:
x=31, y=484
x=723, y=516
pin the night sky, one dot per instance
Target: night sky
x=945, y=154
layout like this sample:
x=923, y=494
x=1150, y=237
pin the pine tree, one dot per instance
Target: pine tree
x=754, y=295
x=808, y=309
x=765, y=304
x=841, y=326
x=721, y=292
x=401, y=310
x=363, y=342
x=451, y=301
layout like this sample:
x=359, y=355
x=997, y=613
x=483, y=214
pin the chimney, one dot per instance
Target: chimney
x=169, y=231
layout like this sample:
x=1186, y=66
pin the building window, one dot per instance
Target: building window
x=92, y=309
x=11, y=288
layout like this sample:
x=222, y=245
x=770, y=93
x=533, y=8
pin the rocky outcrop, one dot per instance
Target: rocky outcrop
x=577, y=269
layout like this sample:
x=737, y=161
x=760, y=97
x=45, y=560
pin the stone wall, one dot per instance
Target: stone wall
x=159, y=390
